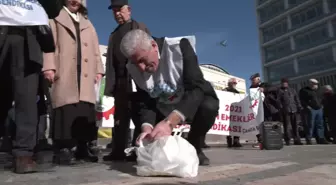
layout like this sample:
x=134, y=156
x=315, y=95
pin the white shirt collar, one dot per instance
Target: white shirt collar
x=75, y=16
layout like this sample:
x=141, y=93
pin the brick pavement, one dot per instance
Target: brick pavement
x=294, y=165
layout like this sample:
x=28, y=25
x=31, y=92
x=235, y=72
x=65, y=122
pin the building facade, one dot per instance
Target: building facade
x=297, y=40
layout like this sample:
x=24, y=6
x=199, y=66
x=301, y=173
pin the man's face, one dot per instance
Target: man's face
x=255, y=80
x=284, y=84
x=73, y=5
x=147, y=60
x=314, y=85
x=122, y=14
x=233, y=85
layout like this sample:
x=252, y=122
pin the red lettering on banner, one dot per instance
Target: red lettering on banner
x=236, y=118
x=222, y=127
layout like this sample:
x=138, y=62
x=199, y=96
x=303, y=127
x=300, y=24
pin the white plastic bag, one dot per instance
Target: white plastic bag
x=167, y=156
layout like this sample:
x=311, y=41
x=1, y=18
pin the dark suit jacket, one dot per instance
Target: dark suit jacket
x=112, y=66
x=118, y=82
x=195, y=86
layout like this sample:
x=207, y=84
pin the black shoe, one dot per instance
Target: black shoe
x=64, y=157
x=298, y=142
x=203, y=159
x=287, y=143
x=86, y=153
x=309, y=142
x=323, y=142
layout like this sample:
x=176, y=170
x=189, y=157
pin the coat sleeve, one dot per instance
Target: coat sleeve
x=193, y=82
x=297, y=100
x=52, y=7
x=147, y=108
x=110, y=78
x=143, y=27
x=99, y=67
x=49, y=59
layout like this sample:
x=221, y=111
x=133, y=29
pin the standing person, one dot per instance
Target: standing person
x=236, y=139
x=271, y=103
x=312, y=114
x=171, y=86
x=73, y=69
x=20, y=66
x=329, y=116
x=290, y=107
x=119, y=83
x=255, y=83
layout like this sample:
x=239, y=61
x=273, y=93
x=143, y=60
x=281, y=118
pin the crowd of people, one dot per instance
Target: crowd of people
x=52, y=67
x=305, y=114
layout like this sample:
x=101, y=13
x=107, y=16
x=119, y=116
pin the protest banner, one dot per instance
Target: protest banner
x=239, y=114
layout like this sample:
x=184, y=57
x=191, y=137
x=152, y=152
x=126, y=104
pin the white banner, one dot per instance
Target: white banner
x=22, y=13
x=239, y=114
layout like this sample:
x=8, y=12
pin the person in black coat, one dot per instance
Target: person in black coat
x=290, y=107
x=171, y=86
x=119, y=83
x=21, y=49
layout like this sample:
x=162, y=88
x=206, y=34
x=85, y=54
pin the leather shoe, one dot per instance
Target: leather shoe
x=203, y=159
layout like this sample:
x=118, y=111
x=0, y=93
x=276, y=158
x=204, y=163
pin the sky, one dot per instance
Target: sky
x=231, y=20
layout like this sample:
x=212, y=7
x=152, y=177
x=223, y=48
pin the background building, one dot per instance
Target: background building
x=298, y=40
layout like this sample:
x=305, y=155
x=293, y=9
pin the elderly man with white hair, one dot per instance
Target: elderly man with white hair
x=313, y=112
x=172, y=87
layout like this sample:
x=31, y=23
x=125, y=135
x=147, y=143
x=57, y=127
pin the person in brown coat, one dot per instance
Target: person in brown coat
x=73, y=70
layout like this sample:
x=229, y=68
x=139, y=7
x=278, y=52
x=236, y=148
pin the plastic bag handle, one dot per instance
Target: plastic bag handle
x=181, y=129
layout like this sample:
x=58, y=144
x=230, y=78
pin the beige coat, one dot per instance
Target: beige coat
x=64, y=61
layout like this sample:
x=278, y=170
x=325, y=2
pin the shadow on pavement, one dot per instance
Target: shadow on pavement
x=123, y=167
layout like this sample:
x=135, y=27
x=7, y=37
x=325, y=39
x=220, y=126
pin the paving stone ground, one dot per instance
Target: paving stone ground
x=294, y=165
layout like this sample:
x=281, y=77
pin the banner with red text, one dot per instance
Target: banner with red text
x=238, y=115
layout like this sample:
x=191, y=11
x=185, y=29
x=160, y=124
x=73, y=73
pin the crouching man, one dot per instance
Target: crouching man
x=171, y=87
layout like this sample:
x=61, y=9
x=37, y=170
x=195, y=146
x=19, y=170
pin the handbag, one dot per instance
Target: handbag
x=44, y=37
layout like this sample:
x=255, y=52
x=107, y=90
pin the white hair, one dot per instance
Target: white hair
x=134, y=40
x=328, y=88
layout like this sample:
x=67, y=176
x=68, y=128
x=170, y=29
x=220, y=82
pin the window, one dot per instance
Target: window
x=293, y=3
x=307, y=15
x=284, y=70
x=311, y=38
x=275, y=30
x=278, y=50
x=271, y=11
x=262, y=1
x=317, y=61
x=332, y=5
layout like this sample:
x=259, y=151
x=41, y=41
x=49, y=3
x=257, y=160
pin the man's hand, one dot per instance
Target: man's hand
x=145, y=134
x=49, y=75
x=164, y=128
x=98, y=78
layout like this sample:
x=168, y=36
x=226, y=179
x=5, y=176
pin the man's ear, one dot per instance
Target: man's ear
x=154, y=44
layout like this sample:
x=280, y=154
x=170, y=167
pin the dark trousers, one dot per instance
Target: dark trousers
x=122, y=136
x=202, y=122
x=290, y=126
x=19, y=81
